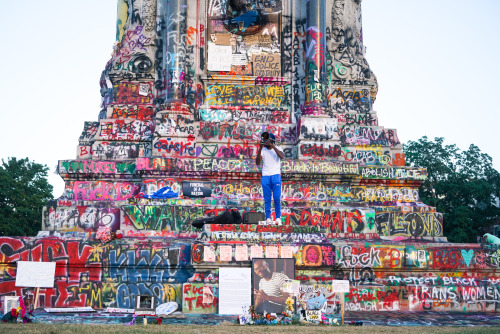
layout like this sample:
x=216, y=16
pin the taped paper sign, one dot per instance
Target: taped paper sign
x=144, y=89
x=225, y=253
x=239, y=60
x=272, y=252
x=266, y=65
x=219, y=57
x=208, y=254
x=241, y=253
x=208, y=297
x=421, y=255
x=286, y=252
x=292, y=286
x=340, y=286
x=35, y=274
x=256, y=252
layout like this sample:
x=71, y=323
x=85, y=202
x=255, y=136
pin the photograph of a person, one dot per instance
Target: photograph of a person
x=144, y=302
x=269, y=276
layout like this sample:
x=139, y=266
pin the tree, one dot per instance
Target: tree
x=463, y=185
x=24, y=190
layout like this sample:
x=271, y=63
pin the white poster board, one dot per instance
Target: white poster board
x=235, y=290
x=340, y=286
x=35, y=274
x=219, y=57
x=9, y=303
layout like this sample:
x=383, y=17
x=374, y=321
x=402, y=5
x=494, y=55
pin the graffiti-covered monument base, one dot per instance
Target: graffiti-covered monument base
x=384, y=276
x=189, y=89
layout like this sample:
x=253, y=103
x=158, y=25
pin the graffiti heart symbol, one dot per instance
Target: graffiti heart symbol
x=467, y=255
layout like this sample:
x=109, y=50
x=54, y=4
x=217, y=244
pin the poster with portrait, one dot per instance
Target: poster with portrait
x=269, y=277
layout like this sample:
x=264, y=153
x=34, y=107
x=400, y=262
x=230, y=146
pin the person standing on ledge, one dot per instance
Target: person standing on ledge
x=271, y=157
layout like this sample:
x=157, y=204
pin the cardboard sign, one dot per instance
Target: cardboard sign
x=340, y=286
x=223, y=39
x=196, y=189
x=266, y=65
x=251, y=40
x=219, y=57
x=35, y=274
x=265, y=41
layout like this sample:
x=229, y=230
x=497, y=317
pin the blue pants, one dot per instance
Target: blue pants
x=272, y=184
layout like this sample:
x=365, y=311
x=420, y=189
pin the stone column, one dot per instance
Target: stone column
x=175, y=47
x=315, y=58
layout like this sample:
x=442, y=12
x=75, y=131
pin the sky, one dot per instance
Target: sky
x=436, y=63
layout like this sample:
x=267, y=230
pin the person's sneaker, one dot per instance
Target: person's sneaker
x=269, y=221
x=278, y=221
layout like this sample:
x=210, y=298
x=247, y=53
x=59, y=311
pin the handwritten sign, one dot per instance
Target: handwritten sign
x=196, y=189
x=286, y=252
x=241, y=253
x=313, y=315
x=266, y=65
x=340, y=286
x=208, y=254
x=208, y=297
x=265, y=41
x=35, y=274
x=256, y=251
x=251, y=40
x=192, y=298
x=272, y=252
x=219, y=57
x=225, y=253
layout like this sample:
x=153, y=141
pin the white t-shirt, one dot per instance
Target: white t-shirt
x=274, y=285
x=271, y=162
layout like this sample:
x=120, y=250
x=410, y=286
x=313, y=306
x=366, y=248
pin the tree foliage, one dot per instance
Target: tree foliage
x=463, y=185
x=24, y=190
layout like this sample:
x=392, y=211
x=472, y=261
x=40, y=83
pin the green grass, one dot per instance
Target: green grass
x=230, y=329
